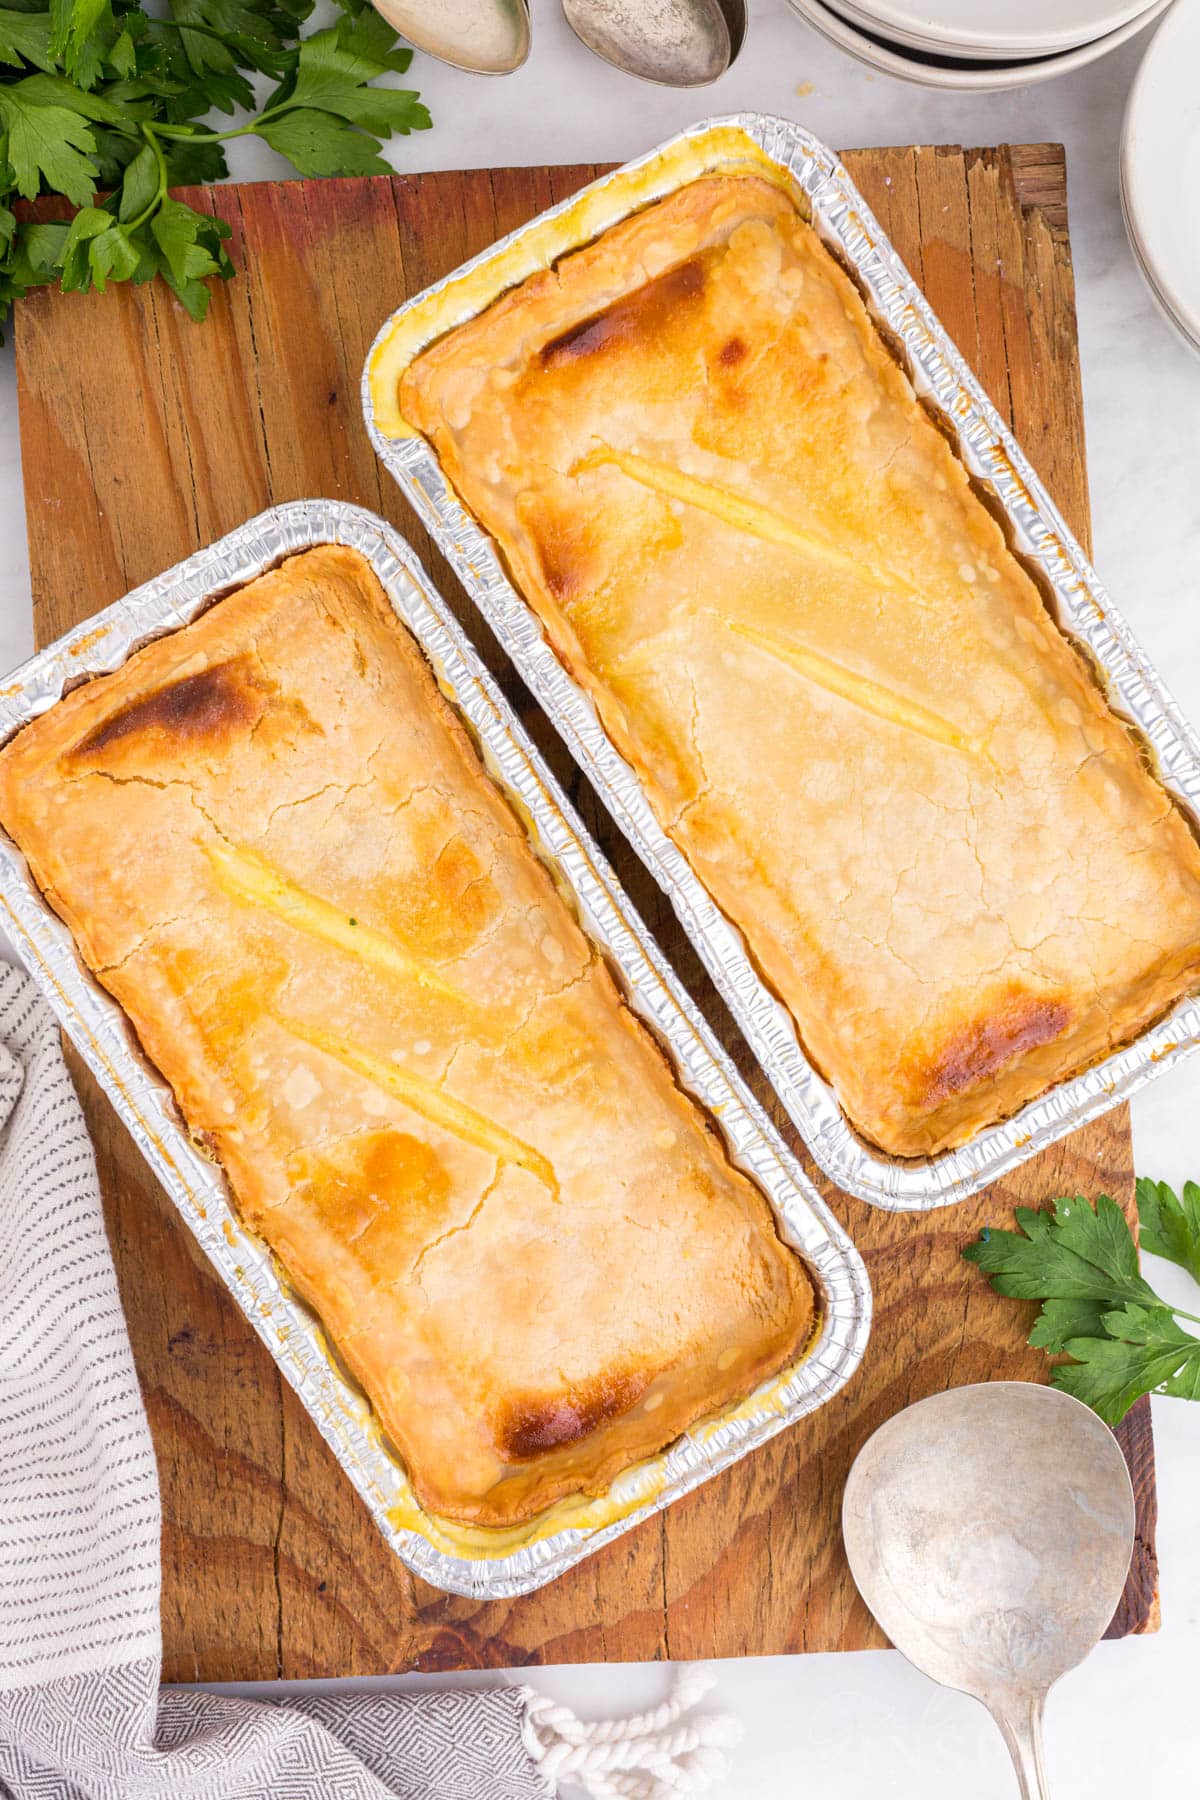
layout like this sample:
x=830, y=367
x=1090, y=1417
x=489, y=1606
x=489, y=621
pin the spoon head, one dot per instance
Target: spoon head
x=989, y=1530
x=678, y=43
x=735, y=20
x=488, y=37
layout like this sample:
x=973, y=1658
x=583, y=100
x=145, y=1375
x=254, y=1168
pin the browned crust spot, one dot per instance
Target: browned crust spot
x=547, y=1424
x=560, y=565
x=196, y=709
x=986, y=1045
x=733, y=351
x=639, y=315
x=563, y=551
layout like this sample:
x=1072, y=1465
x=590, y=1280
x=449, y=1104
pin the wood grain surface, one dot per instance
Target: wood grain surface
x=145, y=436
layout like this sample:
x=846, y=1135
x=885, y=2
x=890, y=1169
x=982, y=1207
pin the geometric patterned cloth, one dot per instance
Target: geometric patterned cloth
x=82, y=1716
x=115, y=1735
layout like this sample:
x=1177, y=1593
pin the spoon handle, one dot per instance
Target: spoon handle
x=1022, y=1729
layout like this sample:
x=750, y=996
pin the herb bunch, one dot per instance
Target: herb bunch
x=1081, y=1262
x=100, y=96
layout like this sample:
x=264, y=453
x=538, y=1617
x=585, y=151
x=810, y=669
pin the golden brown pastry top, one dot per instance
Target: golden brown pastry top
x=847, y=701
x=277, y=847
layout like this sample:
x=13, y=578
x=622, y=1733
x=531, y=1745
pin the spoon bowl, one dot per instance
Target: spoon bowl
x=487, y=37
x=989, y=1530
x=677, y=43
x=735, y=20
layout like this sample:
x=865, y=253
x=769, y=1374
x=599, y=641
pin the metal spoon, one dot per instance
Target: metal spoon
x=678, y=43
x=990, y=1530
x=489, y=37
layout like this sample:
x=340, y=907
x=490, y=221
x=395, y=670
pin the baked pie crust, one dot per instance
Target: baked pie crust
x=847, y=702
x=277, y=847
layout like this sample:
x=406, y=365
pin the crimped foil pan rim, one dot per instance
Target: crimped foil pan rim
x=1041, y=539
x=197, y=1188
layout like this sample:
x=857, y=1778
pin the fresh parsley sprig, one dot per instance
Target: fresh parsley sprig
x=98, y=95
x=1170, y=1226
x=1097, y=1309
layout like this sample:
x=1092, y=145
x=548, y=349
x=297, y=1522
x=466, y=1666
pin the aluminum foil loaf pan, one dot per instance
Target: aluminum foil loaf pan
x=1034, y=528
x=462, y=1559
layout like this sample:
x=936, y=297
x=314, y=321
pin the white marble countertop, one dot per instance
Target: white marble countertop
x=860, y=1726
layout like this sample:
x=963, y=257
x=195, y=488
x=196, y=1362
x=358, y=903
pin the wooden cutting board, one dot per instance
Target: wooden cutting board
x=145, y=436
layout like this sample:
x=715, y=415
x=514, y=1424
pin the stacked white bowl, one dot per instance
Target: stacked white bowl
x=978, y=44
x=1160, y=169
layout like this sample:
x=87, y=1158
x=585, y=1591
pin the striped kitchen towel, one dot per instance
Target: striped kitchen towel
x=82, y=1716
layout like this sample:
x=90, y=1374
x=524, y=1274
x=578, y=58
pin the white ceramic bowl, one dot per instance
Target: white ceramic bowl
x=1160, y=300
x=994, y=30
x=988, y=77
x=1160, y=168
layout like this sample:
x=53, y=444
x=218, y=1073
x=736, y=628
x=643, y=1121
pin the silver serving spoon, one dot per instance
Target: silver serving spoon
x=989, y=1530
x=678, y=43
x=489, y=37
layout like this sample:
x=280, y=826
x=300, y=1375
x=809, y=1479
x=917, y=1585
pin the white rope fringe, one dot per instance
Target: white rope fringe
x=656, y=1755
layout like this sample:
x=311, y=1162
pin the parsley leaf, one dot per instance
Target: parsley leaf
x=320, y=117
x=1171, y=1226
x=72, y=257
x=319, y=144
x=139, y=188
x=1073, y=1254
x=37, y=250
x=114, y=253
x=191, y=247
x=25, y=35
x=1145, y=1352
x=52, y=89
x=333, y=66
x=1061, y=1320
x=82, y=35
x=255, y=32
x=1081, y=1262
x=47, y=144
x=114, y=95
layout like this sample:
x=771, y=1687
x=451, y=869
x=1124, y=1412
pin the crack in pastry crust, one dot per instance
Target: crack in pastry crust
x=430, y=1099
x=277, y=847
x=685, y=475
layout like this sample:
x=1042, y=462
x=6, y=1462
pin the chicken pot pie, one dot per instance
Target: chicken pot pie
x=277, y=847
x=846, y=700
